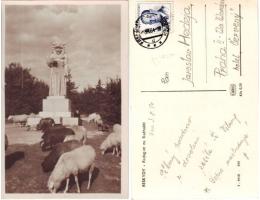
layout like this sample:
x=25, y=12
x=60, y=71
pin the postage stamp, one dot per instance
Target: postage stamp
x=152, y=25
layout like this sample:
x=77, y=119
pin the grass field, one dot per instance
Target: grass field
x=24, y=172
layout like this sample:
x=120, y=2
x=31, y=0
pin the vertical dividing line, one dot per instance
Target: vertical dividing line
x=240, y=42
x=191, y=42
x=206, y=43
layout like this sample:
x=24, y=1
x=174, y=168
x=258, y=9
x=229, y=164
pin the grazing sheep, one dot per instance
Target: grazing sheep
x=98, y=119
x=113, y=140
x=52, y=158
x=45, y=123
x=117, y=128
x=18, y=119
x=94, y=117
x=80, y=134
x=53, y=136
x=72, y=163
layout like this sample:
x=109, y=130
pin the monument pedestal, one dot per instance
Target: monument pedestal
x=58, y=108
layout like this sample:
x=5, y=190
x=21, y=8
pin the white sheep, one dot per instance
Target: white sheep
x=117, y=128
x=113, y=140
x=80, y=134
x=18, y=119
x=93, y=117
x=73, y=162
x=98, y=119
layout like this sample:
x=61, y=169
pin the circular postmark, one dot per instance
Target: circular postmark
x=151, y=29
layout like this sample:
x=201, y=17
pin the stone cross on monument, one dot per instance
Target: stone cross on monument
x=56, y=105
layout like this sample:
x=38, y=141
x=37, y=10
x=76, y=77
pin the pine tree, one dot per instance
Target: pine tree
x=23, y=92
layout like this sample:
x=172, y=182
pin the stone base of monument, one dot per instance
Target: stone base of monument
x=58, y=108
x=70, y=121
x=56, y=104
x=54, y=114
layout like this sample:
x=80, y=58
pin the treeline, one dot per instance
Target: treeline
x=24, y=94
x=103, y=99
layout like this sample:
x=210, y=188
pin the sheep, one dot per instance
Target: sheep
x=94, y=117
x=113, y=140
x=72, y=163
x=18, y=119
x=117, y=128
x=52, y=158
x=53, y=136
x=80, y=134
x=98, y=119
x=45, y=123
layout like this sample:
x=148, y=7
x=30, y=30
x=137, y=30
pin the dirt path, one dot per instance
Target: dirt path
x=20, y=135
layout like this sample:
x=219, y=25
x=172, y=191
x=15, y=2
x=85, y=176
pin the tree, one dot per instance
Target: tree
x=111, y=108
x=71, y=92
x=23, y=92
x=103, y=100
x=70, y=85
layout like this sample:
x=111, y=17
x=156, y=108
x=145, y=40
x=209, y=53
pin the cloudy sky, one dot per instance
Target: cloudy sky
x=91, y=32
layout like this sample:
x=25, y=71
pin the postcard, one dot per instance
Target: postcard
x=65, y=99
x=194, y=99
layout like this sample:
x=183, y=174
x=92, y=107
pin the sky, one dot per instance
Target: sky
x=91, y=33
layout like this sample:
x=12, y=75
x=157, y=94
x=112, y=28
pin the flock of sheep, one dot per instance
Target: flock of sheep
x=70, y=154
x=31, y=121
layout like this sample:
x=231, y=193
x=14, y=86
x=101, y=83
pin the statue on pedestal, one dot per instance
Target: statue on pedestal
x=59, y=70
x=56, y=105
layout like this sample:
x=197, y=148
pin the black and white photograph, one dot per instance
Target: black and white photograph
x=64, y=77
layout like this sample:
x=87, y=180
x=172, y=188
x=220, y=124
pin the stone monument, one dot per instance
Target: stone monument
x=56, y=105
